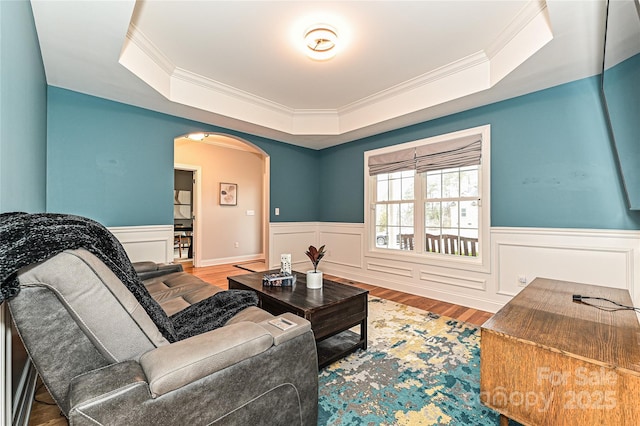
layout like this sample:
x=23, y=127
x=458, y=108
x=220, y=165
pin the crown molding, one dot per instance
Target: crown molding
x=528, y=32
x=145, y=44
x=415, y=83
x=226, y=90
x=528, y=13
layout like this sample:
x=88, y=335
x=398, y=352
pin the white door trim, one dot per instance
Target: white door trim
x=197, y=208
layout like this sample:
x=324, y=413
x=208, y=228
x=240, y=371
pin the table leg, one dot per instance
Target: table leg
x=363, y=333
x=504, y=420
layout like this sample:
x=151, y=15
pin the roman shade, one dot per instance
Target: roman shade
x=446, y=155
x=396, y=161
x=461, y=152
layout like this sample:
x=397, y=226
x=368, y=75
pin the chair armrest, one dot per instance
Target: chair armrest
x=178, y=364
x=300, y=326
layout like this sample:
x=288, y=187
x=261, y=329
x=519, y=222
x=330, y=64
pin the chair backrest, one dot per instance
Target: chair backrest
x=432, y=243
x=74, y=315
x=406, y=241
x=451, y=244
x=468, y=246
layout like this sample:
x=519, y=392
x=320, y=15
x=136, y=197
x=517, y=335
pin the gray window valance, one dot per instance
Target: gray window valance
x=459, y=152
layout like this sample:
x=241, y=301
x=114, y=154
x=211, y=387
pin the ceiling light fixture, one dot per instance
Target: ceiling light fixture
x=197, y=136
x=321, y=41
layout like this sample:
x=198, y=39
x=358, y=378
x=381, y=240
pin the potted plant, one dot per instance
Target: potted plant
x=314, y=278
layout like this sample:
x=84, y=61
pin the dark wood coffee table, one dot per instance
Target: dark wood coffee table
x=332, y=311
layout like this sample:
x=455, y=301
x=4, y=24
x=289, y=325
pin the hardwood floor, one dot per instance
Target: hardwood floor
x=43, y=414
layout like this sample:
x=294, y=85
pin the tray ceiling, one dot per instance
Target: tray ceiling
x=239, y=65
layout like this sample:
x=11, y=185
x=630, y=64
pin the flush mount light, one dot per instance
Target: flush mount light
x=321, y=41
x=197, y=136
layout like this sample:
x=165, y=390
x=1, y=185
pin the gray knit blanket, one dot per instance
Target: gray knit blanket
x=26, y=239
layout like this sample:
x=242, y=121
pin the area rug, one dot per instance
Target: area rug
x=419, y=369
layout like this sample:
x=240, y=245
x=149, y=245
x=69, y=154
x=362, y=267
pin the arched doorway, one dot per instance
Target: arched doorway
x=226, y=231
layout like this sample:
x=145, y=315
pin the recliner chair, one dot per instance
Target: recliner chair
x=105, y=362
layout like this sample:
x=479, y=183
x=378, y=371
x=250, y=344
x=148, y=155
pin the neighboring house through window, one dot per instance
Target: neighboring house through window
x=430, y=198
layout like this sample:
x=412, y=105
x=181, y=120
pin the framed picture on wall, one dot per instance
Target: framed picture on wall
x=228, y=194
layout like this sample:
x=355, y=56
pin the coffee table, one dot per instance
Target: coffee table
x=332, y=311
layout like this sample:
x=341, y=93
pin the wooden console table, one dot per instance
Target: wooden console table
x=547, y=360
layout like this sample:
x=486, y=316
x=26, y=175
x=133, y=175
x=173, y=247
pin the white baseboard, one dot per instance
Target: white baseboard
x=232, y=260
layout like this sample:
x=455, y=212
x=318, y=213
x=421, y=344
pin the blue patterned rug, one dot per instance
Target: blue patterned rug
x=419, y=369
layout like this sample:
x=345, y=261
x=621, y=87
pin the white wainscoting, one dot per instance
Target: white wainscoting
x=155, y=243
x=602, y=257
x=608, y=258
x=292, y=238
x=152, y=242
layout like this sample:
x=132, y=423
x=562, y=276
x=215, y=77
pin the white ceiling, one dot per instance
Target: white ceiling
x=237, y=64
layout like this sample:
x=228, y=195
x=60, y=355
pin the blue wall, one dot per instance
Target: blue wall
x=114, y=163
x=551, y=162
x=23, y=114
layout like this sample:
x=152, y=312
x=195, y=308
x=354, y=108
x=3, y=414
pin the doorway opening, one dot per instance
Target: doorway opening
x=226, y=230
x=183, y=215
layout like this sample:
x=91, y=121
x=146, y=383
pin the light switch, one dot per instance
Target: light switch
x=251, y=213
x=277, y=211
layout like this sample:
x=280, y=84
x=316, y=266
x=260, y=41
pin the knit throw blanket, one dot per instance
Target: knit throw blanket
x=26, y=239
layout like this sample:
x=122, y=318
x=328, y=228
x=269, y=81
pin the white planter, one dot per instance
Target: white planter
x=314, y=279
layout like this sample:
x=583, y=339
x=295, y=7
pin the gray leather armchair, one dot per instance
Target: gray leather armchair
x=105, y=362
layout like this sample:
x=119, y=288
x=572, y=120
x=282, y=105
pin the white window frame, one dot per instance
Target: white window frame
x=480, y=263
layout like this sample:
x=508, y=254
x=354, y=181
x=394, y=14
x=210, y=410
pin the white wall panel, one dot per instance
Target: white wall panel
x=395, y=269
x=294, y=239
x=608, y=258
x=343, y=244
x=598, y=266
x=456, y=279
x=154, y=243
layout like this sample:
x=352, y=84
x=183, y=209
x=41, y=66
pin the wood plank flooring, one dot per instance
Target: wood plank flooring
x=43, y=414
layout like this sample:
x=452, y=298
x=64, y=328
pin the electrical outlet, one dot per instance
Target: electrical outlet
x=522, y=280
x=285, y=263
x=236, y=244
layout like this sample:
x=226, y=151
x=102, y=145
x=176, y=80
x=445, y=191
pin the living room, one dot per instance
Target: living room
x=556, y=201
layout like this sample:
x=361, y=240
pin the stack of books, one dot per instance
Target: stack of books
x=280, y=279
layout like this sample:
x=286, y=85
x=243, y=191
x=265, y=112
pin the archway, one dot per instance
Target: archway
x=226, y=232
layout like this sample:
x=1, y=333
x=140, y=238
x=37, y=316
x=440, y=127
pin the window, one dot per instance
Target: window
x=395, y=202
x=429, y=198
x=451, y=206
